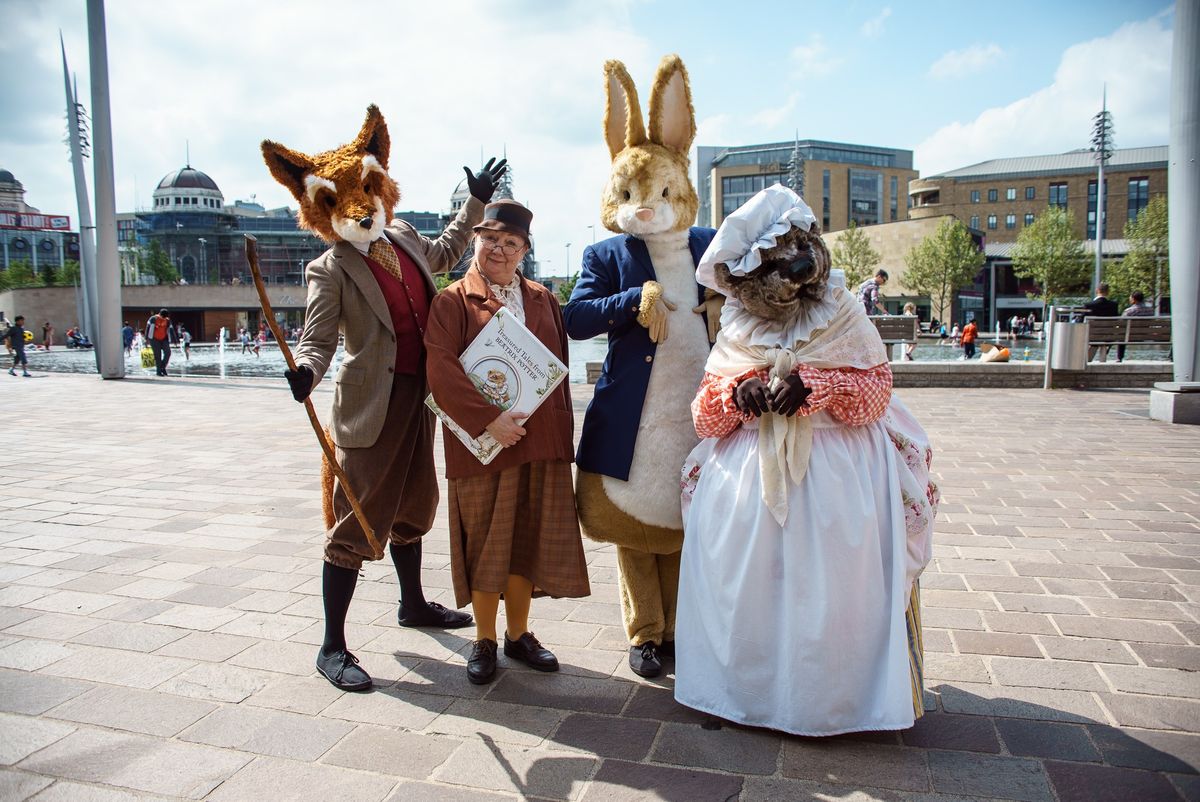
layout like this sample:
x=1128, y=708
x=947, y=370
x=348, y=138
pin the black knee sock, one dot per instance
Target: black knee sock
x=407, y=560
x=337, y=588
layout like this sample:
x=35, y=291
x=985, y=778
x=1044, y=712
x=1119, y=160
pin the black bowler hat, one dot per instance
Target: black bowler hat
x=506, y=215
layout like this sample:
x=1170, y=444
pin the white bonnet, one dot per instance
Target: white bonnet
x=755, y=225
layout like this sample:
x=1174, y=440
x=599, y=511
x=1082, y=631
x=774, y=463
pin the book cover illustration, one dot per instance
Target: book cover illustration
x=512, y=370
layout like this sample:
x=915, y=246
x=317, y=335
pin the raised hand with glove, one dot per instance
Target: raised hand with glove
x=653, y=311
x=482, y=185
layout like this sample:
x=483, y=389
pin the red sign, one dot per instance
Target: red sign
x=37, y=222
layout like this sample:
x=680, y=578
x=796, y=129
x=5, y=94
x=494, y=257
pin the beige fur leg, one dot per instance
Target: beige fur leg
x=602, y=521
x=668, y=583
x=641, y=603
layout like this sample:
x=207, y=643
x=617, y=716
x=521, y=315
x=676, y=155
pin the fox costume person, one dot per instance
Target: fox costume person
x=374, y=287
x=640, y=289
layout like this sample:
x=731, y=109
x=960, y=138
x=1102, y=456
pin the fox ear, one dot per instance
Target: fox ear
x=373, y=138
x=287, y=166
x=622, y=111
x=672, y=118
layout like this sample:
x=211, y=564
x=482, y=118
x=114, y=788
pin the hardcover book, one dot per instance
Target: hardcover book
x=512, y=370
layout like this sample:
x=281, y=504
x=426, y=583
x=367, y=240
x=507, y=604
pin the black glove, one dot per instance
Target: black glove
x=483, y=184
x=789, y=396
x=301, y=381
x=751, y=396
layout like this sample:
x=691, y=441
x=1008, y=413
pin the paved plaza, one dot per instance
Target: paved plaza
x=160, y=608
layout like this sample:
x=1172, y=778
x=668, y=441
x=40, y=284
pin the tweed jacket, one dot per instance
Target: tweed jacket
x=344, y=297
x=458, y=314
x=605, y=301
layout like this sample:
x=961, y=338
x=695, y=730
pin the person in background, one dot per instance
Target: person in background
x=1101, y=306
x=868, y=293
x=185, y=339
x=1137, y=308
x=970, y=333
x=47, y=335
x=127, y=337
x=160, y=333
x=910, y=309
x=5, y=325
x=16, y=339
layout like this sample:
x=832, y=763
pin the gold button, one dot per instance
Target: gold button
x=610, y=323
x=649, y=358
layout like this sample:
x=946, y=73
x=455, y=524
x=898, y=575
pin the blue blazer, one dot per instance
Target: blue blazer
x=605, y=301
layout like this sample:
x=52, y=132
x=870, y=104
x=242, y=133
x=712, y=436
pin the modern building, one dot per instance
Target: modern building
x=1003, y=196
x=841, y=182
x=28, y=236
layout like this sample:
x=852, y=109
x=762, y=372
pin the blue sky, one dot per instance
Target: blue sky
x=956, y=82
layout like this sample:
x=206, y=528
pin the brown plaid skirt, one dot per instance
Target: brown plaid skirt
x=518, y=521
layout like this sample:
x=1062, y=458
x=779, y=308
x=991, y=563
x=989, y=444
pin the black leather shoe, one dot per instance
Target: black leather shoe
x=481, y=665
x=341, y=668
x=667, y=650
x=529, y=651
x=644, y=659
x=434, y=615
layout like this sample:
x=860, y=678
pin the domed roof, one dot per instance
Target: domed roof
x=188, y=178
x=8, y=178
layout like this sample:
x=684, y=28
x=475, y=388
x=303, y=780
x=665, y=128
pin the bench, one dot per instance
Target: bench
x=897, y=330
x=1105, y=332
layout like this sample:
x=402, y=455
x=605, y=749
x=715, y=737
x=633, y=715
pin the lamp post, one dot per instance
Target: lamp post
x=568, y=264
x=592, y=228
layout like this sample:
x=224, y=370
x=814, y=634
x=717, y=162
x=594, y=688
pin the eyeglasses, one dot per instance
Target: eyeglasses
x=493, y=242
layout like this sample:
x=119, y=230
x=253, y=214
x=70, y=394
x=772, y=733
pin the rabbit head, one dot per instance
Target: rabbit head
x=648, y=191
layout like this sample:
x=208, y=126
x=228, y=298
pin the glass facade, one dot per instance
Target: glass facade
x=893, y=201
x=866, y=197
x=1058, y=195
x=825, y=200
x=1139, y=196
x=736, y=190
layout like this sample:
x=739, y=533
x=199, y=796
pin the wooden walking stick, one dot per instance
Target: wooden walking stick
x=326, y=446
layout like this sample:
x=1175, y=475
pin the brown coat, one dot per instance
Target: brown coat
x=457, y=315
x=344, y=297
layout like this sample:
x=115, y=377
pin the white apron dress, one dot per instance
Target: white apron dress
x=810, y=625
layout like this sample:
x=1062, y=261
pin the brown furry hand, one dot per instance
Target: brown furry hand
x=654, y=310
x=788, y=396
x=711, y=307
x=750, y=396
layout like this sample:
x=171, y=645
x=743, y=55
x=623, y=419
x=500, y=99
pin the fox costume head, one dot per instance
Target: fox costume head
x=344, y=194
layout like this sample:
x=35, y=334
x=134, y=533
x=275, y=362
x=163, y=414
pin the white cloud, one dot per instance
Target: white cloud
x=957, y=63
x=813, y=59
x=1135, y=61
x=874, y=26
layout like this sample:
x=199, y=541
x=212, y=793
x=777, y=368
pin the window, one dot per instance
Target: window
x=1030, y=193
x=825, y=200
x=974, y=196
x=975, y=221
x=893, y=202
x=1091, y=211
x=1010, y=221
x=1029, y=218
x=736, y=190
x=1010, y=193
x=1139, y=196
x=866, y=197
x=1058, y=195
x=993, y=196
x=992, y=222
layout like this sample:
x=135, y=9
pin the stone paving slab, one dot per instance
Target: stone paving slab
x=160, y=606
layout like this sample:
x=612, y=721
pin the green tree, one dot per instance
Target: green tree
x=442, y=281
x=159, y=264
x=19, y=274
x=941, y=264
x=566, y=288
x=1048, y=253
x=69, y=273
x=1145, y=267
x=853, y=253
x=48, y=275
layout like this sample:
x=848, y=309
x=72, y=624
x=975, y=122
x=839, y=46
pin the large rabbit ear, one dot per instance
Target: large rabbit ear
x=672, y=118
x=373, y=139
x=622, y=112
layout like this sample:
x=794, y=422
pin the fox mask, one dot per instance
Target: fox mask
x=344, y=194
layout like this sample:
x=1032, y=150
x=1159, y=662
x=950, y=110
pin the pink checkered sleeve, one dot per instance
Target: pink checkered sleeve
x=713, y=411
x=854, y=397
